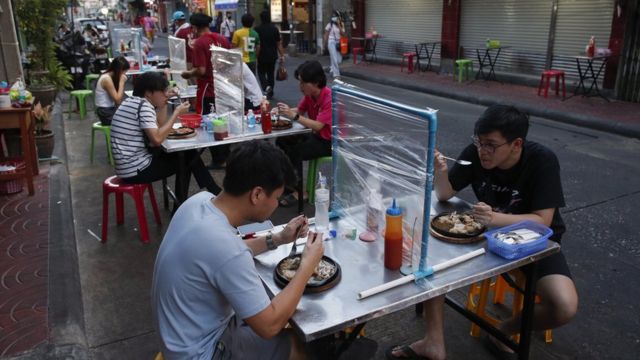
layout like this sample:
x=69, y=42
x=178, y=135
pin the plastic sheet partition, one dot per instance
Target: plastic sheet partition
x=178, y=61
x=131, y=40
x=384, y=146
x=229, y=89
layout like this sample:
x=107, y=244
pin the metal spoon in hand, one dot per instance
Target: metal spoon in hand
x=461, y=162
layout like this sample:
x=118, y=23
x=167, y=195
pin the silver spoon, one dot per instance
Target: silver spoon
x=461, y=162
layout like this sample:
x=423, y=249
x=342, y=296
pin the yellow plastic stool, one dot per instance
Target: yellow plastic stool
x=312, y=173
x=106, y=129
x=88, y=79
x=499, y=287
x=81, y=96
x=462, y=66
x=159, y=356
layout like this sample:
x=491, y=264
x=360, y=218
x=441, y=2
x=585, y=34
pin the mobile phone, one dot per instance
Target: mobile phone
x=255, y=227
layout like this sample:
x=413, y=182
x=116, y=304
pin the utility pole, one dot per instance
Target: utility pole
x=291, y=48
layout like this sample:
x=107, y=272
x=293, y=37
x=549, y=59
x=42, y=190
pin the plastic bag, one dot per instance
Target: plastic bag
x=282, y=73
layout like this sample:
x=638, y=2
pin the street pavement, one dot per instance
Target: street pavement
x=98, y=294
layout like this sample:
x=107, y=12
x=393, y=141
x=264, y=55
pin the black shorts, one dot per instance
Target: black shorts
x=554, y=264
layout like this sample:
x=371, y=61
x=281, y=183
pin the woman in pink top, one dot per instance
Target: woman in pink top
x=314, y=112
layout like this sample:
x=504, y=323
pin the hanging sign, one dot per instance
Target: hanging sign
x=276, y=11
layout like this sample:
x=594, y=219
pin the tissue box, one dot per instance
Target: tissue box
x=518, y=249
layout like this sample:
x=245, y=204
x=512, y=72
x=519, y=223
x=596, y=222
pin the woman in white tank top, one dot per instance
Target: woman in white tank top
x=110, y=89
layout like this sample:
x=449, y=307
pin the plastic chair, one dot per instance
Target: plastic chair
x=312, y=173
x=500, y=287
x=88, y=79
x=172, y=83
x=81, y=96
x=409, y=56
x=355, y=51
x=548, y=74
x=115, y=185
x=462, y=66
x=106, y=129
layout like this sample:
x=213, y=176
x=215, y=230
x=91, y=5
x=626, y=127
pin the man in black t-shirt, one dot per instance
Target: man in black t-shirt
x=270, y=49
x=514, y=180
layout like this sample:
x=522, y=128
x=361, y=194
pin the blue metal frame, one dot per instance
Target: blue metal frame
x=430, y=116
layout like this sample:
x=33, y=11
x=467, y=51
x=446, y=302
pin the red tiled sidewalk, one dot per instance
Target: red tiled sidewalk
x=24, y=236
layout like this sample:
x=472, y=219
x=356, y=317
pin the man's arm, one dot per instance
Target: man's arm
x=270, y=321
x=297, y=228
x=486, y=216
x=441, y=183
x=196, y=72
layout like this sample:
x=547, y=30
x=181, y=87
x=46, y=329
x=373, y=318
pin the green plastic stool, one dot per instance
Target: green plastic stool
x=312, y=174
x=109, y=52
x=81, y=96
x=172, y=83
x=88, y=79
x=462, y=65
x=106, y=129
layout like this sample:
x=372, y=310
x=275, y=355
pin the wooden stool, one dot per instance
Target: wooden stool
x=499, y=287
x=548, y=74
x=462, y=66
x=106, y=129
x=312, y=174
x=81, y=96
x=88, y=79
x=409, y=56
x=115, y=185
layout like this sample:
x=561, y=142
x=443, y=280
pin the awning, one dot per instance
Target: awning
x=226, y=5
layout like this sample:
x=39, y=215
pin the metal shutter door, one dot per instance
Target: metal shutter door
x=521, y=24
x=403, y=23
x=577, y=21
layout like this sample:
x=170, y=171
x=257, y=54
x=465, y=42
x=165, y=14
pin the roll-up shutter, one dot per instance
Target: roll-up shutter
x=576, y=22
x=523, y=25
x=404, y=23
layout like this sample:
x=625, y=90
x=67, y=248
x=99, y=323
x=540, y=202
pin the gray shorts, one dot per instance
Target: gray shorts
x=239, y=341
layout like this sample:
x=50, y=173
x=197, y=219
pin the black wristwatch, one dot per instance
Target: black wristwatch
x=295, y=118
x=271, y=245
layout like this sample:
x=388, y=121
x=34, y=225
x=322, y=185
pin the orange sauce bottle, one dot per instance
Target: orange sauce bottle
x=393, y=238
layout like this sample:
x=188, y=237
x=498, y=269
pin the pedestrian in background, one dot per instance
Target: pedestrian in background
x=248, y=40
x=228, y=27
x=332, y=34
x=110, y=89
x=270, y=50
x=218, y=22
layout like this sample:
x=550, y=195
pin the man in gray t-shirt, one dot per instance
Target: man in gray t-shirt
x=207, y=299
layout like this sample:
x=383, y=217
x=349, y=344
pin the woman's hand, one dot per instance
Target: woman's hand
x=123, y=78
x=181, y=109
x=285, y=110
x=440, y=163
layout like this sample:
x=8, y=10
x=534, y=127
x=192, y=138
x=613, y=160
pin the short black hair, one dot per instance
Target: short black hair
x=247, y=20
x=200, y=20
x=149, y=81
x=311, y=71
x=509, y=121
x=257, y=163
x=265, y=17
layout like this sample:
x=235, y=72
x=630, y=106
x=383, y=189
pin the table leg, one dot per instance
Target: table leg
x=300, y=190
x=526, y=321
x=182, y=181
x=492, y=64
x=481, y=62
x=582, y=75
x=595, y=76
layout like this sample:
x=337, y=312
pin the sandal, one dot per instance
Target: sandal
x=406, y=350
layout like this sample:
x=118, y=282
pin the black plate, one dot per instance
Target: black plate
x=454, y=235
x=313, y=286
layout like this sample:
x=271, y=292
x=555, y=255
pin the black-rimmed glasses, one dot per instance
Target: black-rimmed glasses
x=490, y=148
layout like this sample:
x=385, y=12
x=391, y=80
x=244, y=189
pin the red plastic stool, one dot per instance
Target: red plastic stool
x=355, y=51
x=548, y=74
x=117, y=186
x=409, y=56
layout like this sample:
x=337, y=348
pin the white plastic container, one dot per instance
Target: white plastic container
x=322, y=205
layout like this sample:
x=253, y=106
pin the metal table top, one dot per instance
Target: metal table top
x=204, y=139
x=362, y=267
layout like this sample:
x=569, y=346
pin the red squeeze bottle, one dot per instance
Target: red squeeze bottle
x=265, y=118
x=393, y=238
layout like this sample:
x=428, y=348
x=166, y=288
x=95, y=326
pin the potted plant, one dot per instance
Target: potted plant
x=43, y=135
x=37, y=20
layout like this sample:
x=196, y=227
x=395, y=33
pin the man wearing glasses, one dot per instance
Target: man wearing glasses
x=513, y=180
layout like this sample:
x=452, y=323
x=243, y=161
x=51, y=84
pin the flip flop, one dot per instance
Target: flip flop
x=406, y=350
x=288, y=200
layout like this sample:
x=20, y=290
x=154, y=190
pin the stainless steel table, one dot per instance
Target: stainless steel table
x=203, y=140
x=362, y=266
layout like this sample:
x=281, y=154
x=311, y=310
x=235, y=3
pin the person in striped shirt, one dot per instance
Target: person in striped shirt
x=140, y=125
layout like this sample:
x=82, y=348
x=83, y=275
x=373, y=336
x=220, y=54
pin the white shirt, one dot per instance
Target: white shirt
x=334, y=31
x=103, y=99
x=251, y=87
x=228, y=27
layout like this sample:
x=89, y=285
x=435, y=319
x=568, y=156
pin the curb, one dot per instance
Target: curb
x=590, y=122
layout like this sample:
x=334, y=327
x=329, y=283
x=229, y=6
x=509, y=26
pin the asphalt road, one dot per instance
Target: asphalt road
x=600, y=173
